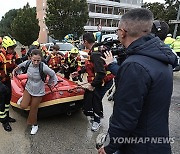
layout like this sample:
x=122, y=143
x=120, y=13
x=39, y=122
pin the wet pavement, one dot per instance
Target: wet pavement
x=72, y=134
x=174, y=116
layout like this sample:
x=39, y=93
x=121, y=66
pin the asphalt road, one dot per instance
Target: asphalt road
x=72, y=134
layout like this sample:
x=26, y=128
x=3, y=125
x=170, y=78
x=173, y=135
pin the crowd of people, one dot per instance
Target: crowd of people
x=31, y=63
x=143, y=81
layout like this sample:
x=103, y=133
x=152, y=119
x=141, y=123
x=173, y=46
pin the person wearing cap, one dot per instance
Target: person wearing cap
x=8, y=58
x=169, y=40
x=35, y=45
x=72, y=64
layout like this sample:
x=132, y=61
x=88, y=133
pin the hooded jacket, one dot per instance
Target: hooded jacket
x=142, y=99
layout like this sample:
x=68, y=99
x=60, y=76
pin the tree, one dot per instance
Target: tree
x=5, y=23
x=25, y=25
x=66, y=16
x=171, y=13
x=165, y=12
x=158, y=9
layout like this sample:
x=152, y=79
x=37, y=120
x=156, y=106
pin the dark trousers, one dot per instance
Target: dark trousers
x=5, y=97
x=68, y=71
x=102, y=91
x=93, y=101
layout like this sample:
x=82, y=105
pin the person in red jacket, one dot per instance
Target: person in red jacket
x=54, y=59
x=99, y=79
x=72, y=64
x=8, y=59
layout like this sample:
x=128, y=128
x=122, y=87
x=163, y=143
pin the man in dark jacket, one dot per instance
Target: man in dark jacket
x=99, y=79
x=139, y=123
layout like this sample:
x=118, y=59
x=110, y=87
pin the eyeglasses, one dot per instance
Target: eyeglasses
x=120, y=29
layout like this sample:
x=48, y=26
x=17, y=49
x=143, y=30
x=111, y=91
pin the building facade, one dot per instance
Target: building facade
x=101, y=12
x=108, y=12
x=41, y=14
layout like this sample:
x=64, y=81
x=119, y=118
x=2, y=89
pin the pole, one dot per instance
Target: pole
x=176, y=25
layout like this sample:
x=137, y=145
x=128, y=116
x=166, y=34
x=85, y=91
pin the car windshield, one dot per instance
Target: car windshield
x=65, y=46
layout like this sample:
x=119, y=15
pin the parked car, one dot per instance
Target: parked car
x=109, y=36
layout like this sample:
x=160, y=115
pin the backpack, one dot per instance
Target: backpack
x=42, y=74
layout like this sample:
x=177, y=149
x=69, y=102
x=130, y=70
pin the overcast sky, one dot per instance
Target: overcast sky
x=7, y=5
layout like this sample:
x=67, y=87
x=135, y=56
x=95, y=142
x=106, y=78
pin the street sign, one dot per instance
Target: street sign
x=174, y=21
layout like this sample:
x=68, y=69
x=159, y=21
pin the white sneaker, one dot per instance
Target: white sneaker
x=19, y=101
x=95, y=126
x=34, y=129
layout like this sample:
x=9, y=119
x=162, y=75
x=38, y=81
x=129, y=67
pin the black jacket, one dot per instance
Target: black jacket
x=142, y=98
x=99, y=69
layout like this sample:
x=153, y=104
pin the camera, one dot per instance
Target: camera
x=116, y=48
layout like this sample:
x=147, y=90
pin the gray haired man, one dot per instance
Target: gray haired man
x=139, y=123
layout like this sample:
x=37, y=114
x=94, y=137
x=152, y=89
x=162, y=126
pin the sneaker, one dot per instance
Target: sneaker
x=95, y=126
x=7, y=127
x=19, y=101
x=11, y=119
x=34, y=129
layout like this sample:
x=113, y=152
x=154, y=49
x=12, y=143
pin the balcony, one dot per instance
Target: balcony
x=104, y=16
x=114, y=4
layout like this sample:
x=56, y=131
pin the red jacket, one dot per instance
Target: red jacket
x=7, y=64
x=97, y=70
x=55, y=61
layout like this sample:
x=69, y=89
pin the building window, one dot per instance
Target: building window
x=121, y=11
x=98, y=9
x=104, y=9
x=126, y=10
x=109, y=22
x=110, y=9
x=97, y=21
x=116, y=11
x=92, y=8
x=91, y=22
x=115, y=23
x=103, y=22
